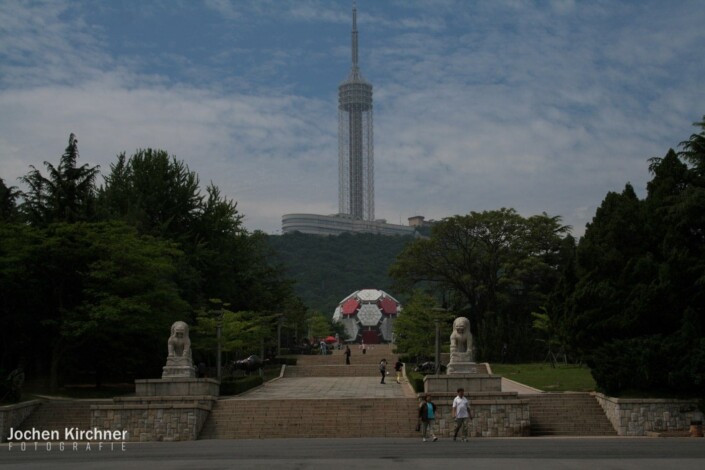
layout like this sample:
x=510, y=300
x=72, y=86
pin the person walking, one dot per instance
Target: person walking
x=461, y=413
x=347, y=354
x=398, y=367
x=383, y=369
x=427, y=413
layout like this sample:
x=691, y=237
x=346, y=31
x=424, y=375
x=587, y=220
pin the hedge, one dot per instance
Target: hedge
x=237, y=385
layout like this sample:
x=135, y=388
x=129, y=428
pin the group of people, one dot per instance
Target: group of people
x=398, y=366
x=460, y=413
x=382, y=365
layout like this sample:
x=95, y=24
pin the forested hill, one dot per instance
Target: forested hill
x=328, y=268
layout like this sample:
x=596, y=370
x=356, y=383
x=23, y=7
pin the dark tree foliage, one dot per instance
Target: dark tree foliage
x=637, y=313
x=326, y=269
x=160, y=196
x=494, y=267
x=154, y=192
x=8, y=202
x=91, y=279
x=65, y=284
x=67, y=194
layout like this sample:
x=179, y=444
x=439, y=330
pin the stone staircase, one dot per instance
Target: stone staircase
x=265, y=419
x=567, y=414
x=243, y=418
x=371, y=356
x=61, y=413
x=333, y=365
x=368, y=370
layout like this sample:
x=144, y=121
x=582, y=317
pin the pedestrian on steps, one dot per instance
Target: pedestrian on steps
x=427, y=413
x=383, y=369
x=398, y=367
x=347, y=354
x=461, y=413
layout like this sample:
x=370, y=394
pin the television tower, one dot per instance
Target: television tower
x=356, y=186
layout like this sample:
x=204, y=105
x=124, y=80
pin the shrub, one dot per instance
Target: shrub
x=289, y=361
x=415, y=379
x=237, y=385
x=646, y=364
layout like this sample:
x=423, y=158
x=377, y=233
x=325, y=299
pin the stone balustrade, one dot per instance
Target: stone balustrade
x=11, y=416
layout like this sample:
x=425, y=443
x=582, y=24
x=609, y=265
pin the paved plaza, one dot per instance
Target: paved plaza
x=347, y=387
x=328, y=387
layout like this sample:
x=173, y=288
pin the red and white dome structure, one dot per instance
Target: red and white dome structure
x=368, y=315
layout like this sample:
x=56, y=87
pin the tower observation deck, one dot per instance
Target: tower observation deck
x=355, y=141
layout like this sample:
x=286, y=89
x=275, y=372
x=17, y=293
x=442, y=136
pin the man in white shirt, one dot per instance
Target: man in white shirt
x=461, y=412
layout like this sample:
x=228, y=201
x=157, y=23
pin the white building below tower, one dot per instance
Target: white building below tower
x=337, y=224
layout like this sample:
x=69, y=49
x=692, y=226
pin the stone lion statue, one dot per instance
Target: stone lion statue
x=179, y=344
x=461, y=339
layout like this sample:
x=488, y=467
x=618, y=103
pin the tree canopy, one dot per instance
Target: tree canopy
x=494, y=267
x=92, y=277
x=637, y=313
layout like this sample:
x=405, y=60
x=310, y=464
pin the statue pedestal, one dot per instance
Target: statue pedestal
x=455, y=368
x=178, y=372
x=173, y=408
x=469, y=382
x=495, y=413
x=178, y=367
x=177, y=386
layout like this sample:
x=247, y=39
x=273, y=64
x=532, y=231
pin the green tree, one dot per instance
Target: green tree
x=242, y=334
x=154, y=192
x=8, y=202
x=414, y=328
x=318, y=325
x=637, y=313
x=495, y=266
x=66, y=195
x=82, y=284
x=160, y=196
x=613, y=238
x=694, y=149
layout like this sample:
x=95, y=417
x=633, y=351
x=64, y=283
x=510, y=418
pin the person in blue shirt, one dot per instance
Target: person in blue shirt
x=427, y=413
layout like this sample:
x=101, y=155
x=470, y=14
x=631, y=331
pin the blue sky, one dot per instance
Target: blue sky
x=543, y=106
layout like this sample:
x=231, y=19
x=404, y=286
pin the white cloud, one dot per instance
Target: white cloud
x=497, y=104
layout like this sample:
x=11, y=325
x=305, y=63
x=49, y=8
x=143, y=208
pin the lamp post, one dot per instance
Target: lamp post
x=437, y=323
x=218, y=332
x=280, y=320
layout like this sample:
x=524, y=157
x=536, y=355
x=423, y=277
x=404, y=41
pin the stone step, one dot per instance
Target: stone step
x=333, y=371
x=593, y=430
x=373, y=417
x=339, y=358
x=572, y=414
x=59, y=414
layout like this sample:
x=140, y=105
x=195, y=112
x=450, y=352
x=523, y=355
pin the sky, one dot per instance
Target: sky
x=540, y=106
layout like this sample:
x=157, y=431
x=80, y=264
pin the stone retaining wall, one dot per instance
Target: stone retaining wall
x=637, y=416
x=149, y=419
x=11, y=416
x=503, y=416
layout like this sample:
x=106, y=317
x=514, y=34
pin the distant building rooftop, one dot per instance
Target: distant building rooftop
x=337, y=224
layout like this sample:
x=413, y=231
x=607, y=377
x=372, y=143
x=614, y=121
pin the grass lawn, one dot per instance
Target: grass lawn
x=562, y=378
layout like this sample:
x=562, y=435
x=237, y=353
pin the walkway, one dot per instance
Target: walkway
x=373, y=454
